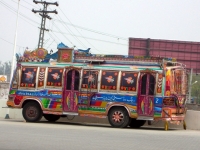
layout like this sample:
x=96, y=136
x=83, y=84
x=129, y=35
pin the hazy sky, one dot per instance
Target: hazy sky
x=102, y=25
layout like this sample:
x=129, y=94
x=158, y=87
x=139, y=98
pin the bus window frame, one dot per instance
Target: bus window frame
x=120, y=80
x=117, y=82
x=17, y=76
x=175, y=85
x=97, y=82
x=62, y=78
x=20, y=78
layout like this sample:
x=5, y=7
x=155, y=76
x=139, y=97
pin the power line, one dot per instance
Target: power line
x=91, y=38
x=12, y=43
x=63, y=35
x=79, y=32
x=95, y=31
x=65, y=25
x=15, y=11
x=86, y=29
x=71, y=33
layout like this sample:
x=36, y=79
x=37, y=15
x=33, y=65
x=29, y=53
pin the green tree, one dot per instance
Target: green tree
x=5, y=69
x=195, y=89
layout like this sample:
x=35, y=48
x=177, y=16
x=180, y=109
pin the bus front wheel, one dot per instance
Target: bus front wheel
x=32, y=112
x=51, y=118
x=118, y=117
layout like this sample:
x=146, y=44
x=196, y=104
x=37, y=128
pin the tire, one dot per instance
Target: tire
x=136, y=123
x=32, y=112
x=51, y=118
x=118, y=117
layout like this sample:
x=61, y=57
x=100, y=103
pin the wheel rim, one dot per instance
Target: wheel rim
x=118, y=117
x=31, y=112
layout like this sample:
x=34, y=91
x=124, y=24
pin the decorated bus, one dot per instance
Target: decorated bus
x=128, y=90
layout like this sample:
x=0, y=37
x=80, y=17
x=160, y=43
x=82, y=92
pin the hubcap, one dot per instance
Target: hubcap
x=31, y=112
x=118, y=117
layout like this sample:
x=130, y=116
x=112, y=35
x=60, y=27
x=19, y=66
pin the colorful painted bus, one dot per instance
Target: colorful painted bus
x=128, y=90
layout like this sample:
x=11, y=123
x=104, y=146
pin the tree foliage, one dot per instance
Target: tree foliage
x=5, y=68
x=195, y=89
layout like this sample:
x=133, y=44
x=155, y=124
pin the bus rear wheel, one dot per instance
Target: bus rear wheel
x=118, y=117
x=51, y=118
x=136, y=123
x=32, y=112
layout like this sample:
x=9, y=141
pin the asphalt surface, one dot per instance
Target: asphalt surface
x=20, y=135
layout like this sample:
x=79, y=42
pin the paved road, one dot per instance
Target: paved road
x=19, y=135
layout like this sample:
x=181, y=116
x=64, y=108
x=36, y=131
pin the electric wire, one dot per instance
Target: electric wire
x=91, y=38
x=94, y=31
x=78, y=31
x=65, y=25
x=70, y=31
x=12, y=43
x=15, y=11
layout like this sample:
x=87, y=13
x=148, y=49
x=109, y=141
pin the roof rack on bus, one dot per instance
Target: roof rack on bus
x=66, y=55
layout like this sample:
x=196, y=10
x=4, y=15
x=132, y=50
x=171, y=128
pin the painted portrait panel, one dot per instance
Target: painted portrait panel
x=28, y=78
x=128, y=81
x=90, y=79
x=109, y=80
x=54, y=77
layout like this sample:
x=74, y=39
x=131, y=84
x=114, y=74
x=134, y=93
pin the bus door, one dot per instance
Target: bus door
x=146, y=94
x=71, y=90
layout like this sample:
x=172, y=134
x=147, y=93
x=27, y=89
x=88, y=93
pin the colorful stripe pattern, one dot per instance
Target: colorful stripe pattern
x=51, y=103
x=99, y=102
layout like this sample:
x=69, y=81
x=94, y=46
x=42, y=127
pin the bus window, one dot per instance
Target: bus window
x=179, y=82
x=28, y=77
x=128, y=81
x=69, y=80
x=90, y=78
x=15, y=79
x=184, y=83
x=109, y=80
x=54, y=77
x=151, y=85
x=144, y=82
x=76, y=81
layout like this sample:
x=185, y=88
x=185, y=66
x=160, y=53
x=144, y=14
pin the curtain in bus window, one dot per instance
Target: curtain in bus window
x=128, y=81
x=109, y=80
x=54, y=77
x=90, y=78
x=28, y=78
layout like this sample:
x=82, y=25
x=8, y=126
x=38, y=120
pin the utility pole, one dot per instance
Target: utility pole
x=190, y=85
x=44, y=14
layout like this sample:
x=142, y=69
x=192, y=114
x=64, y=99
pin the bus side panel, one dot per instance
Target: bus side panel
x=49, y=99
x=101, y=101
x=158, y=107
